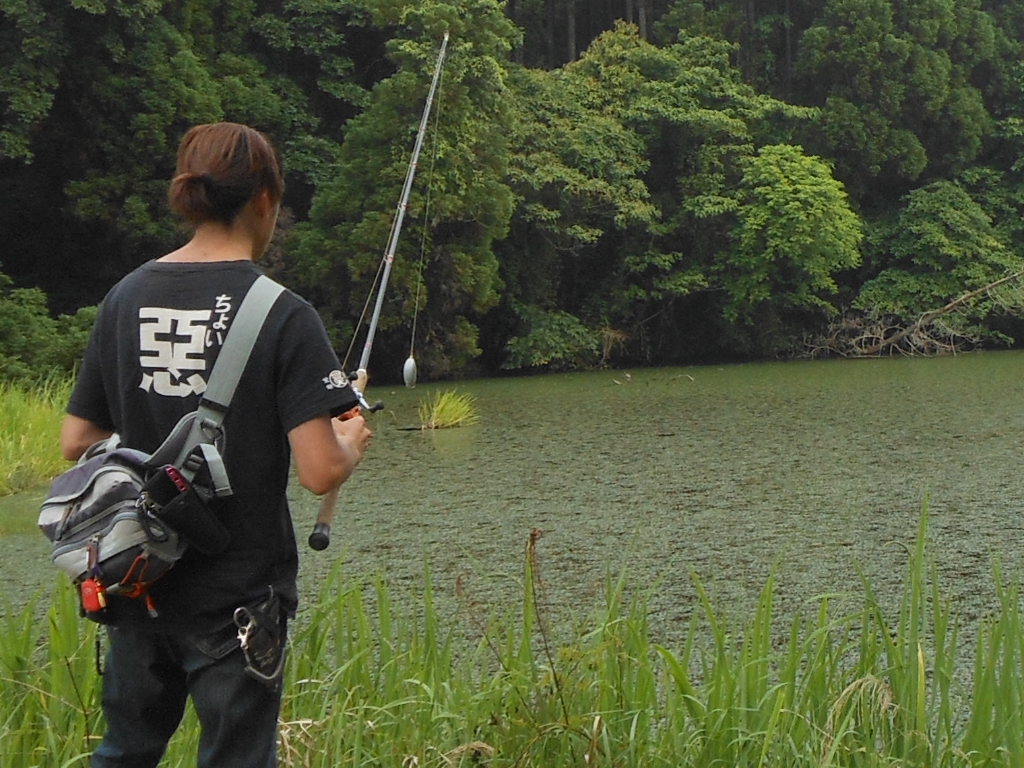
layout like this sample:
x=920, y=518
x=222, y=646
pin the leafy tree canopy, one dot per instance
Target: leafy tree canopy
x=940, y=245
x=796, y=231
x=614, y=182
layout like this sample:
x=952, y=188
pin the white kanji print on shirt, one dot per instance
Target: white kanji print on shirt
x=171, y=343
x=220, y=325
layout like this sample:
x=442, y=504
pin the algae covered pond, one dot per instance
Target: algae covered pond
x=816, y=472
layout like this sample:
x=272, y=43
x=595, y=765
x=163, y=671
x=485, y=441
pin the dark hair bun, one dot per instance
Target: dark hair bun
x=221, y=167
x=189, y=196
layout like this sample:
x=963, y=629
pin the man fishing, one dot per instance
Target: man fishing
x=219, y=633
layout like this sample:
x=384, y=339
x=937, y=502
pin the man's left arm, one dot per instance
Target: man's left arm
x=77, y=434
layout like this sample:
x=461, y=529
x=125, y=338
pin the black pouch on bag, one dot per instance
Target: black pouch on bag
x=176, y=502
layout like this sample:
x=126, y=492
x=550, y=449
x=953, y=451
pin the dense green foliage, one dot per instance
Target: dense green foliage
x=33, y=345
x=644, y=181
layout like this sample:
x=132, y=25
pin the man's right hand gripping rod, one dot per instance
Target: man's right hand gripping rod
x=320, y=538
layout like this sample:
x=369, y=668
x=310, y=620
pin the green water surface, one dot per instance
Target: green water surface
x=816, y=471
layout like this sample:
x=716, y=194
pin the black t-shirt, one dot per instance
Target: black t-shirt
x=154, y=344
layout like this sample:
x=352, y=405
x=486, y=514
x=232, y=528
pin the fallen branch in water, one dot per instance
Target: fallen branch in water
x=929, y=317
x=864, y=335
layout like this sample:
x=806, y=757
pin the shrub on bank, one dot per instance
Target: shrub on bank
x=34, y=345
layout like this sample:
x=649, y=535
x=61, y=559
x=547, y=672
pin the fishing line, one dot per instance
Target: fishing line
x=369, y=298
x=409, y=370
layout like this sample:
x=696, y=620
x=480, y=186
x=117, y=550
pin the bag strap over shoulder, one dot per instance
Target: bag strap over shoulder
x=203, y=427
x=240, y=340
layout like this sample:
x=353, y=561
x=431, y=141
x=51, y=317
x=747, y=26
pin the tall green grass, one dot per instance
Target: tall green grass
x=370, y=683
x=30, y=420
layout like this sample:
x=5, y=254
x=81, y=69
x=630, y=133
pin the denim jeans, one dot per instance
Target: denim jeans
x=148, y=679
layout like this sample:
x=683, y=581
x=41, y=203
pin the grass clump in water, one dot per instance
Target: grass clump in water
x=370, y=683
x=448, y=409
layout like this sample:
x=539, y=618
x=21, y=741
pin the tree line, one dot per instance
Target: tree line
x=603, y=182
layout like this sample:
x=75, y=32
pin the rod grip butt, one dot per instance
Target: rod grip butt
x=320, y=538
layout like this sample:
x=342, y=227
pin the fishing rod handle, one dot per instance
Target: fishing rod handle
x=320, y=538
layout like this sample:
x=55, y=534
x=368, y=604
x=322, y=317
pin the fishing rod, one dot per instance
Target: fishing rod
x=320, y=538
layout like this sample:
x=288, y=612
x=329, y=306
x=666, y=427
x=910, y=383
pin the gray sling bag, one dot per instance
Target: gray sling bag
x=121, y=518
